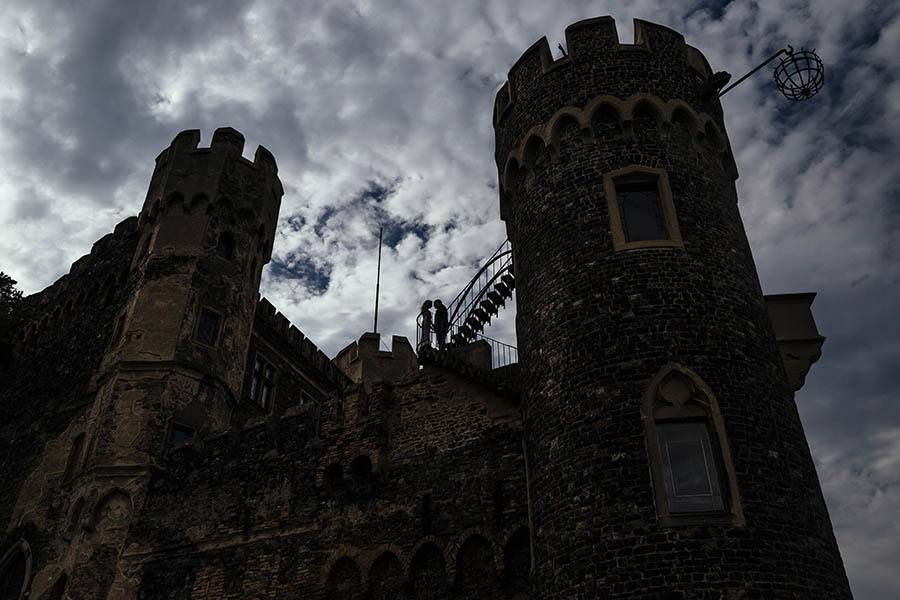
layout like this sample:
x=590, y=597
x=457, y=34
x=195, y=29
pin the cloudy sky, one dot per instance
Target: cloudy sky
x=379, y=114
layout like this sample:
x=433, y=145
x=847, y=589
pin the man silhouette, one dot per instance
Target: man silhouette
x=440, y=323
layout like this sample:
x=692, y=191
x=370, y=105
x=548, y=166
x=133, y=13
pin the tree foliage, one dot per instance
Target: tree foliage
x=10, y=313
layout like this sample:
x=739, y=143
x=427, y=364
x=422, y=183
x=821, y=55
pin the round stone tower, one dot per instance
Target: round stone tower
x=666, y=457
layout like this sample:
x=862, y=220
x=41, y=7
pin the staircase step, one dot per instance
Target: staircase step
x=509, y=280
x=482, y=315
x=489, y=307
x=496, y=298
x=503, y=290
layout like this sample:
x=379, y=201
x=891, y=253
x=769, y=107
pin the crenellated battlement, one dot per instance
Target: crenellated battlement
x=188, y=175
x=294, y=339
x=597, y=63
x=202, y=191
x=226, y=141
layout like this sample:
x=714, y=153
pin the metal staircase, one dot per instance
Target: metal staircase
x=470, y=313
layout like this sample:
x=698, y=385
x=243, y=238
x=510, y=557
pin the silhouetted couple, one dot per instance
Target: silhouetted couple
x=439, y=325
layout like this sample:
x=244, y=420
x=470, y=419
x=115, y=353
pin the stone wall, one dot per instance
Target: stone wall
x=45, y=402
x=436, y=506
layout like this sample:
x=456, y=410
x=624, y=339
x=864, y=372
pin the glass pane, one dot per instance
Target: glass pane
x=641, y=213
x=689, y=473
x=254, y=383
x=264, y=397
x=692, y=482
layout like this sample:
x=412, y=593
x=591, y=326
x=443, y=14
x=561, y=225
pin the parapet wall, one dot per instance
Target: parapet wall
x=658, y=63
x=364, y=361
x=288, y=336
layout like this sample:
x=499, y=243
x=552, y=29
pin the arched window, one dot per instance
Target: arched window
x=517, y=563
x=15, y=571
x=386, y=578
x=476, y=575
x=693, y=476
x=428, y=574
x=344, y=581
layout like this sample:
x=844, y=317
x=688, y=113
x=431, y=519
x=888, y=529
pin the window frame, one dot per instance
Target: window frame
x=710, y=466
x=219, y=327
x=666, y=205
x=701, y=406
x=252, y=394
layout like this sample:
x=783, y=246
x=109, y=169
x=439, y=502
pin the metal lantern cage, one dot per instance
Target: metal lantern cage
x=800, y=75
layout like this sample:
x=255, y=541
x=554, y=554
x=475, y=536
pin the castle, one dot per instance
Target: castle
x=166, y=433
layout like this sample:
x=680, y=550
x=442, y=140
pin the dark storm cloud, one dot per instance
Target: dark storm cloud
x=379, y=115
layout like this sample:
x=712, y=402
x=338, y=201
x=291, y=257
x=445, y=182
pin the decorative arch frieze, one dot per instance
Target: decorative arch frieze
x=702, y=127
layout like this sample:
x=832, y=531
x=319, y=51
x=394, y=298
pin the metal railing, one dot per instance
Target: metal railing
x=502, y=354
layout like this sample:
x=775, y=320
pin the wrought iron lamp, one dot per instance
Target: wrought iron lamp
x=799, y=76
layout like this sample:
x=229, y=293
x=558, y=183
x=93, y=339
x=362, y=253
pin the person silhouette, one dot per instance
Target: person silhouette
x=440, y=324
x=425, y=324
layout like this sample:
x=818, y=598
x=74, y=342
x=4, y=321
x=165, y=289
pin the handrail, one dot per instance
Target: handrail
x=503, y=256
x=465, y=289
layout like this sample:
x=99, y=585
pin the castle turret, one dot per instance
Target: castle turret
x=175, y=365
x=666, y=457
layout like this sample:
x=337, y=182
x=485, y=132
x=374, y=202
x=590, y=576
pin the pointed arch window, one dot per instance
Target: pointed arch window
x=690, y=461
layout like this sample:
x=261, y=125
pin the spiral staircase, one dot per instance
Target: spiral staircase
x=481, y=300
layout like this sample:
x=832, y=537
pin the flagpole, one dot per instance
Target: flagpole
x=378, y=278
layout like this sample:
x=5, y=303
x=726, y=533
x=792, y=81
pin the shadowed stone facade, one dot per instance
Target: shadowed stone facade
x=166, y=433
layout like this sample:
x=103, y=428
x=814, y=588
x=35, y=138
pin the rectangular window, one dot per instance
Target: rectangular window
x=208, y=327
x=262, y=383
x=640, y=209
x=692, y=480
x=179, y=435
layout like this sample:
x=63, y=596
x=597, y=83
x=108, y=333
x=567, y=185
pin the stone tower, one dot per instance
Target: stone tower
x=204, y=233
x=666, y=457
x=174, y=367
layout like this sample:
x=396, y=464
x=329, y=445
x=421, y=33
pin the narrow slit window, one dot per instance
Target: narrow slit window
x=208, y=327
